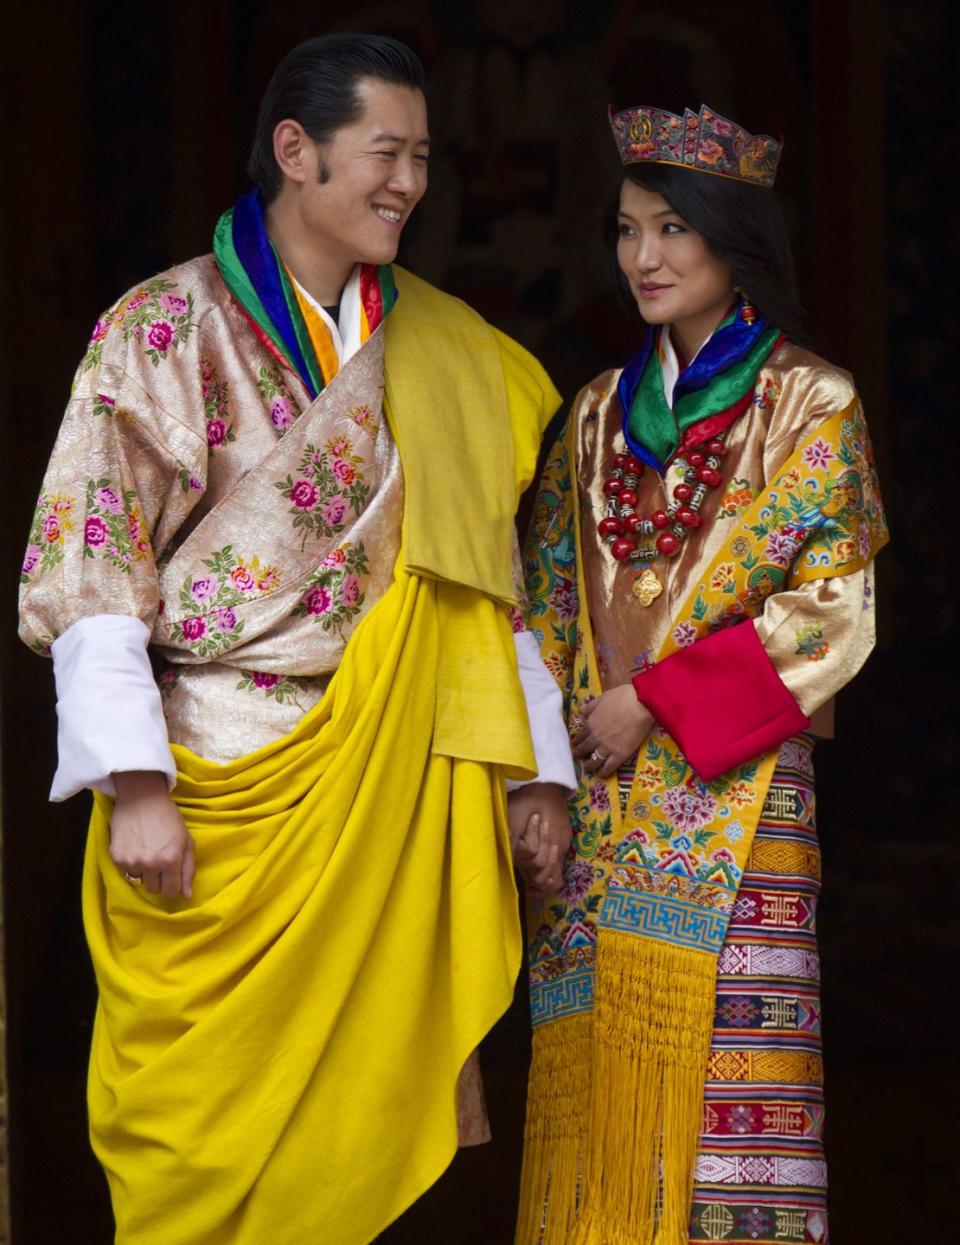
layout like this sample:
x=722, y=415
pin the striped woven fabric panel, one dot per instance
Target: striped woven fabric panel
x=761, y=1174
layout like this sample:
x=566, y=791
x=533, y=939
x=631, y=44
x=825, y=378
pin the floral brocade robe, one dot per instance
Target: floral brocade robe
x=816, y=635
x=196, y=487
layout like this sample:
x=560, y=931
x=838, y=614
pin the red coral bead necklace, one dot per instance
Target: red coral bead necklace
x=627, y=533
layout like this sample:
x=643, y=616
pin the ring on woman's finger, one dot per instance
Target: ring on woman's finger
x=135, y=879
x=597, y=755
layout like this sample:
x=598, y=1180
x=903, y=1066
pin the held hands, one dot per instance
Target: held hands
x=614, y=727
x=540, y=835
x=148, y=839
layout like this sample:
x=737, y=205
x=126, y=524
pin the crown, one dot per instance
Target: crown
x=703, y=141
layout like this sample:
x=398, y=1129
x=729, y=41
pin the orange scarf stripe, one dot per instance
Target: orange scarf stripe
x=320, y=337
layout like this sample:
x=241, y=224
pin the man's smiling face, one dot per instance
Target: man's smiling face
x=363, y=184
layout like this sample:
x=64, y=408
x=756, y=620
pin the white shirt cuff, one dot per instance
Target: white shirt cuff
x=551, y=742
x=108, y=706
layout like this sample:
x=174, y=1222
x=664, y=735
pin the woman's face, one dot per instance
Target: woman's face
x=674, y=276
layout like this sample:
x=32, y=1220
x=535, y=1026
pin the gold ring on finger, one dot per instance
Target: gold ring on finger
x=135, y=879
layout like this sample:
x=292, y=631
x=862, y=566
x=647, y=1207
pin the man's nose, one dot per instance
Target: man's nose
x=404, y=179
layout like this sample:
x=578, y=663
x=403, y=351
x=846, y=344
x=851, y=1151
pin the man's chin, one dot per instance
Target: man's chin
x=384, y=254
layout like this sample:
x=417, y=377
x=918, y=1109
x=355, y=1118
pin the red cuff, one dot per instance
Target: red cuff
x=721, y=700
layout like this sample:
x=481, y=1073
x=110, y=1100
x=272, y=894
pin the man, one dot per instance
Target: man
x=287, y=475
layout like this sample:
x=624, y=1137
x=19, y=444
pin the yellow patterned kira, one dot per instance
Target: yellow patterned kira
x=704, y=142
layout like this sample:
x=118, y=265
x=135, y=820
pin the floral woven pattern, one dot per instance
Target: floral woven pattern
x=669, y=868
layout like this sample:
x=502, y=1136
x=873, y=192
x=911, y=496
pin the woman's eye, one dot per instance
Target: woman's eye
x=625, y=231
x=671, y=227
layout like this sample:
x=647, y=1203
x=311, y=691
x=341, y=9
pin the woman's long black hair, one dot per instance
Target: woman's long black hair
x=743, y=227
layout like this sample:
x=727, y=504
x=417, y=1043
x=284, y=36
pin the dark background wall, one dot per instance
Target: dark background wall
x=124, y=133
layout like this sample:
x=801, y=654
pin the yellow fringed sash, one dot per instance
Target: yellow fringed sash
x=623, y=979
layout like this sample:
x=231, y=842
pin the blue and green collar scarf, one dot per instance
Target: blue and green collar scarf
x=709, y=394
x=281, y=318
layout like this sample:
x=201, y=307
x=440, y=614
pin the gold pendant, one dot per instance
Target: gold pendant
x=646, y=587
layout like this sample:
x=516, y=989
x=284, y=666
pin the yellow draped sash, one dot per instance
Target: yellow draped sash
x=276, y=1060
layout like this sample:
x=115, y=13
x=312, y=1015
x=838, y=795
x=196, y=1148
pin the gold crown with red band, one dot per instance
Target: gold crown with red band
x=704, y=141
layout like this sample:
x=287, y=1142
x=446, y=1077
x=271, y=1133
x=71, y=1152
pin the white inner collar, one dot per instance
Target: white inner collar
x=670, y=364
x=346, y=334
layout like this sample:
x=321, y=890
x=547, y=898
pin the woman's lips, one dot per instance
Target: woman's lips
x=652, y=291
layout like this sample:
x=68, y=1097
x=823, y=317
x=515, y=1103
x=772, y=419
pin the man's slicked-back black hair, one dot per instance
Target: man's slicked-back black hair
x=316, y=84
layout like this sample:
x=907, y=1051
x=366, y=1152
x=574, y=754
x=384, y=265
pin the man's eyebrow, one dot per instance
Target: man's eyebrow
x=398, y=138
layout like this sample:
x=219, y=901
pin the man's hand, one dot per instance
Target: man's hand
x=148, y=838
x=614, y=727
x=540, y=835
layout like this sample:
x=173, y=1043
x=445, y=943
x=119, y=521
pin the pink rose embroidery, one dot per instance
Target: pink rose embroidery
x=173, y=304
x=138, y=300
x=95, y=532
x=202, y=589
x=318, y=600
x=216, y=432
x=343, y=471
x=350, y=592
x=304, y=495
x=52, y=530
x=242, y=579
x=226, y=619
x=99, y=331
x=335, y=510
x=266, y=681
x=31, y=558
x=337, y=558
x=193, y=628
x=107, y=500
x=160, y=335
x=280, y=413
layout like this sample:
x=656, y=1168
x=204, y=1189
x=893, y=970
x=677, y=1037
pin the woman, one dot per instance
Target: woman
x=700, y=575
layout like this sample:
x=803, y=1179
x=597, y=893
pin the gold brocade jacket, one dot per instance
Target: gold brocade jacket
x=817, y=635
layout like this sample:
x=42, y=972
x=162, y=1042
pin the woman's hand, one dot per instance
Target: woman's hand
x=540, y=835
x=614, y=727
x=148, y=838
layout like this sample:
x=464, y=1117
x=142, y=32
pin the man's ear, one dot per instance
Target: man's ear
x=293, y=150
